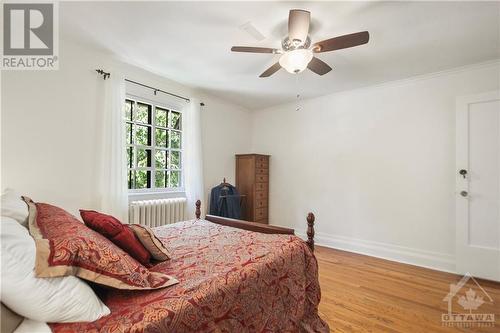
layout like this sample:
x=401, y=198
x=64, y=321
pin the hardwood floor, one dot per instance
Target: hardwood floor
x=366, y=294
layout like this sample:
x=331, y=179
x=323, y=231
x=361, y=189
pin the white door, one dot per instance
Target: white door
x=478, y=185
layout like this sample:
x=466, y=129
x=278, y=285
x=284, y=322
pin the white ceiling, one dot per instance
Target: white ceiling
x=189, y=42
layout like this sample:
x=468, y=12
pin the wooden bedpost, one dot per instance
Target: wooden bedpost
x=198, y=210
x=310, y=231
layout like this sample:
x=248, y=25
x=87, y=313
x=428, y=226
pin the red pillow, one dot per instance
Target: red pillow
x=65, y=246
x=115, y=231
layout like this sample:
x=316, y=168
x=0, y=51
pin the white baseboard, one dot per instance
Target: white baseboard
x=428, y=259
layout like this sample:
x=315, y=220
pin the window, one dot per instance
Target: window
x=154, y=146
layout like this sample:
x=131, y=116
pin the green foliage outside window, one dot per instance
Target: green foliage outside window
x=154, y=142
x=174, y=120
x=175, y=179
x=175, y=160
x=161, y=117
x=161, y=138
x=175, y=140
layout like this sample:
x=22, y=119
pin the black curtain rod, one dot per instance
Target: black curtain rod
x=155, y=90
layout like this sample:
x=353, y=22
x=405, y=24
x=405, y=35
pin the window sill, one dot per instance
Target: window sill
x=135, y=196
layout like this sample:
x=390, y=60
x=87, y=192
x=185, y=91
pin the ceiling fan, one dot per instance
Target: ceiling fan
x=297, y=52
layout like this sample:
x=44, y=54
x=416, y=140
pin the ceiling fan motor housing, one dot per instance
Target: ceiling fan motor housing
x=292, y=44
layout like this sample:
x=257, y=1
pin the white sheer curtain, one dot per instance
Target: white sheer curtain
x=112, y=178
x=193, y=158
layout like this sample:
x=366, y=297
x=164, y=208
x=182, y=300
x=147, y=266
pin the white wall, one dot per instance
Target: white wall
x=226, y=132
x=376, y=165
x=49, y=128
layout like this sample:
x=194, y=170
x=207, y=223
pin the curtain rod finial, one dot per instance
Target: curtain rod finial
x=104, y=74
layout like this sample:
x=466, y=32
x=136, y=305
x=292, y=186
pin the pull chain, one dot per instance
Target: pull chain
x=297, y=89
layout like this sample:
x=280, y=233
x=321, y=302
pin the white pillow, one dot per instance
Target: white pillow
x=14, y=207
x=61, y=299
x=32, y=326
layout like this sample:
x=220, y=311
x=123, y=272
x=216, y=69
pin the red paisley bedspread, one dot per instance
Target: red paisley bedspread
x=231, y=280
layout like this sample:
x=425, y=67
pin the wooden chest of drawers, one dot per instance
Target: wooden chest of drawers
x=252, y=180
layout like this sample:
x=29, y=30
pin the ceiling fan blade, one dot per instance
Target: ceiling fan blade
x=342, y=42
x=250, y=29
x=252, y=49
x=298, y=24
x=318, y=66
x=271, y=70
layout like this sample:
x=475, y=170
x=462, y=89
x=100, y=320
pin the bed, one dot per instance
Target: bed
x=235, y=276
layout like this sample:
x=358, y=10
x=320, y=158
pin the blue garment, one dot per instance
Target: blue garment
x=225, y=201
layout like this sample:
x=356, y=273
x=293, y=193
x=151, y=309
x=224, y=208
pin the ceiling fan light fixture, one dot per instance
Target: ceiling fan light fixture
x=295, y=61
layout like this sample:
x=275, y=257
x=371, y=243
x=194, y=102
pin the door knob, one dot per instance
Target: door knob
x=463, y=172
x=464, y=193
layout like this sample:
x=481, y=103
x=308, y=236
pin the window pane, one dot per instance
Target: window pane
x=175, y=159
x=143, y=135
x=161, y=179
x=143, y=158
x=175, y=120
x=167, y=163
x=128, y=129
x=142, y=179
x=175, y=179
x=175, y=139
x=142, y=113
x=130, y=157
x=161, y=157
x=128, y=109
x=161, y=138
x=161, y=117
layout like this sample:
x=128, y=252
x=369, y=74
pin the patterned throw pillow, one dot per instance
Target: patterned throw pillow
x=115, y=231
x=156, y=248
x=65, y=246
